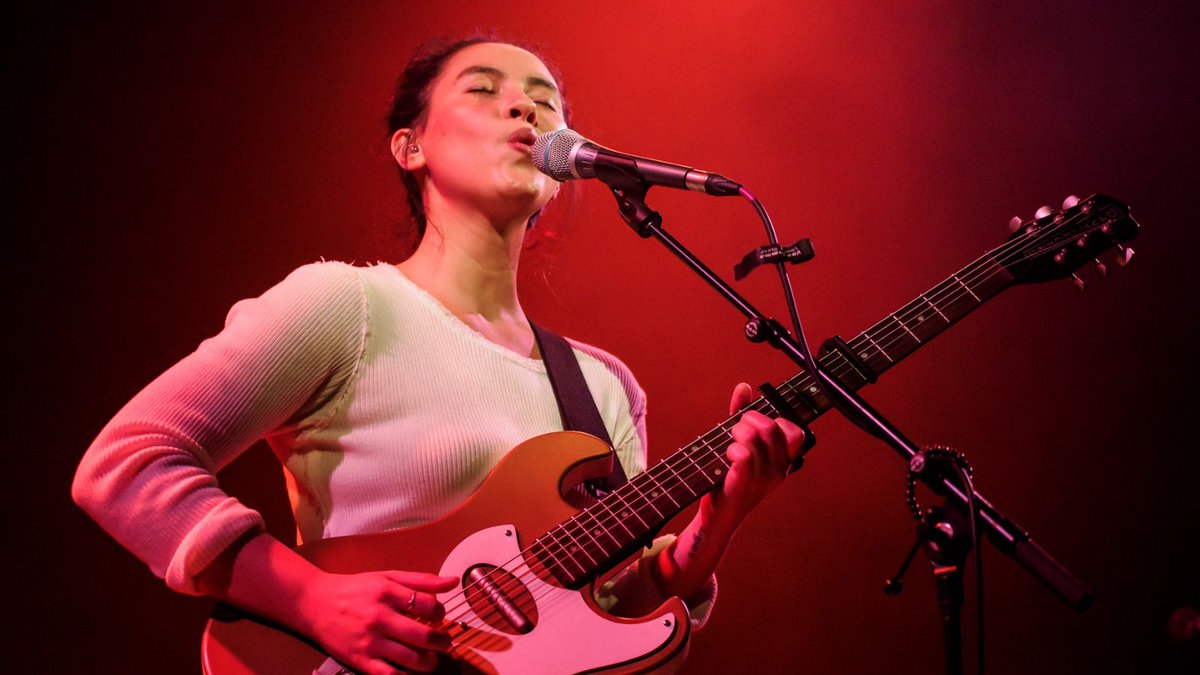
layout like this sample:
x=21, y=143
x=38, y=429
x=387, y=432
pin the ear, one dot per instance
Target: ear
x=406, y=151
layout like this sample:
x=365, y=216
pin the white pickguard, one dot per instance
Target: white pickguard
x=570, y=637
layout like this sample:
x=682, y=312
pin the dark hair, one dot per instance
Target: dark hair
x=411, y=105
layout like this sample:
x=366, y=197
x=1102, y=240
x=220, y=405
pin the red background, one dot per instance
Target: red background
x=169, y=162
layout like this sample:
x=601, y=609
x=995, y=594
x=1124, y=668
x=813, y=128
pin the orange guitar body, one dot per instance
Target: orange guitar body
x=521, y=499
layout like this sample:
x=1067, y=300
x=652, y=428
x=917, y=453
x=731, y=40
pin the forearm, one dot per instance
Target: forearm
x=684, y=568
x=264, y=576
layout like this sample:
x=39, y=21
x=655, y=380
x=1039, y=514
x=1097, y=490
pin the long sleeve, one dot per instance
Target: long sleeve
x=280, y=362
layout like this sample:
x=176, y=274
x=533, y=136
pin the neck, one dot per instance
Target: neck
x=469, y=263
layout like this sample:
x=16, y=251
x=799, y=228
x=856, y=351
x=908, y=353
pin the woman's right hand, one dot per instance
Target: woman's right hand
x=377, y=622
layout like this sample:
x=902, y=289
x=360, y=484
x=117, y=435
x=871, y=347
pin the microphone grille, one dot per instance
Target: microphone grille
x=551, y=153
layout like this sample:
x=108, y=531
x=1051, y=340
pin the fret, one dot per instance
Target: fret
x=878, y=348
x=786, y=390
x=576, y=543
x=600, y=525
x=625, y=512
x=836, y=364
x=559, y=553
x=934, y=308
x=657, y=492
x=960, y=283
x=897, y=319
x=587, y=544
x=685, y=477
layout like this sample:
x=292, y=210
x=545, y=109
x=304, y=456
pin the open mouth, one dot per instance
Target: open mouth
x=524, y=137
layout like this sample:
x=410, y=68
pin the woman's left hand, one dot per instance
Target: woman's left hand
x=762, y=451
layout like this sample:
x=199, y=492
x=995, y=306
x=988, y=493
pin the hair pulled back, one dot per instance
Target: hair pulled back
x=410, y=106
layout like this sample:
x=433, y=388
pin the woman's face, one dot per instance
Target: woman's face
x=486, y=108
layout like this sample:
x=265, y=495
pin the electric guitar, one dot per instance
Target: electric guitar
x=528, y=560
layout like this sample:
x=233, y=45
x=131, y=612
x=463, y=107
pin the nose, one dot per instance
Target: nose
x=523, y=107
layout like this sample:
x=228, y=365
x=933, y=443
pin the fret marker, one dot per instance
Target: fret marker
x=812, y=389
x=863, y=355
x=625, y=514
x=572, y=548
x=654, y=494
x=717, y=471
x=920, y=317
x=597, y=532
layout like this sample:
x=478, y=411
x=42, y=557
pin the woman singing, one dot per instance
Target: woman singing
x=389, y=392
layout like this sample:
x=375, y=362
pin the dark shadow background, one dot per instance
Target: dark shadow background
x=165, y=163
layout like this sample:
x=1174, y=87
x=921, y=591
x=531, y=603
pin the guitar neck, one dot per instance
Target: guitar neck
x=600, y=535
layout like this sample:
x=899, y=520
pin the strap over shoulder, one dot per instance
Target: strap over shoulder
x=575, y=403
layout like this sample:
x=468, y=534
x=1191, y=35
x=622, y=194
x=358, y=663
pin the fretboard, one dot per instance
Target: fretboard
x=594, y=539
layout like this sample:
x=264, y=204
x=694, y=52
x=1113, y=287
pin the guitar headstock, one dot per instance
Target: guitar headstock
x=1056, y=243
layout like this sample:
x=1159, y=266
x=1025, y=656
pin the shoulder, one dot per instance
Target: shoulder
x=307, y=293
x=594, y=358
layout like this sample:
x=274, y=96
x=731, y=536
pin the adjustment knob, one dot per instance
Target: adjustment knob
x=1070, y=201
x=1080, y=284
x=1101, y=268
x=1043, y=212
x=1014, y=224
x=1124, y=254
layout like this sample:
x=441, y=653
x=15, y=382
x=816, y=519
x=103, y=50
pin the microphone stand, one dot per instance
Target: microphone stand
x=1005, y=535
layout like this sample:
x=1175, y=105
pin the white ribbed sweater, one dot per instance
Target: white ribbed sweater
x=385, y=410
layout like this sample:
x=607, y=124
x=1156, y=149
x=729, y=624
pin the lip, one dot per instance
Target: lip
x=525, y=136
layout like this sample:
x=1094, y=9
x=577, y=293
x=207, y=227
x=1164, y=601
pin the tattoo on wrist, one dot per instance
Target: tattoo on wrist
x=697, y=538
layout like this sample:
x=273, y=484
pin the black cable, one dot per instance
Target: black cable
x=788, y=294
x=969, y=488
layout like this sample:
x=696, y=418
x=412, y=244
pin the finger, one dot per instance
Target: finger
x=405, y=656
x=767, y=437
x=415, y=634
x=376, y=667
x=738, y=453
x=742, y=396
x=430, y=583
x=764, y=428
x=412, y=602
x=795, y=437
x=747, y=435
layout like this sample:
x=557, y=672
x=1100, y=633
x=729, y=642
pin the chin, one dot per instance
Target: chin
x=536, y=187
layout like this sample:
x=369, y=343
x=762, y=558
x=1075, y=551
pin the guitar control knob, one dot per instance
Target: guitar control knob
x=1124, y=254
x=1043, y=212
x=1101, y=268
x=1080, y=284
x=1070, y=201
x=1014, y=224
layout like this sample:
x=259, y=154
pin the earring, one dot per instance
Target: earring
x=414, y=148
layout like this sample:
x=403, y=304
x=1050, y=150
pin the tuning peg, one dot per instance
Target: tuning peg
x=1080, y=284
x=1124, y=254
x=1043, y=212
x=1014, y=224
x=1070, y=201
x=1101, y=268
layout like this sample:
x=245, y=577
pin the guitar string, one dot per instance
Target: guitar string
x=613, y=516
x=972, y=278
x=995, y=256
x=932, y=299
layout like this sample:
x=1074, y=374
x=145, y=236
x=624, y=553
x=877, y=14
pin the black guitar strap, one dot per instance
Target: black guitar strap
x=575, y=403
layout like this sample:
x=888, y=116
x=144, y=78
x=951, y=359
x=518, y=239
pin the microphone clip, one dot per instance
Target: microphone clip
x=798, y=253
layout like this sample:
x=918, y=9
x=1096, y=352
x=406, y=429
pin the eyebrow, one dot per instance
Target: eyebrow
x=534, y=81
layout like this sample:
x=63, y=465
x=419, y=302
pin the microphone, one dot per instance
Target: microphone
x=565, y=155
